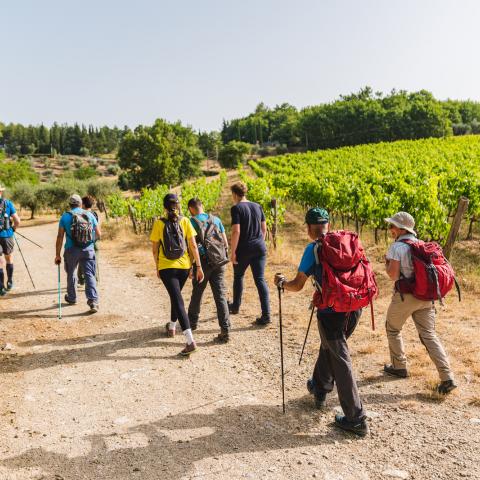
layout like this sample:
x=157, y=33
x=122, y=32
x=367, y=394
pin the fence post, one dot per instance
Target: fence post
x=457, y=220
x=274, y=226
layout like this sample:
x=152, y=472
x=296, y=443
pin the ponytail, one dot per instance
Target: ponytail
x=172, y=213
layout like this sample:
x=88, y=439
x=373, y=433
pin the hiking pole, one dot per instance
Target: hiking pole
x=306, y=336
x=24, y=262
x=59, y=295
x=280, y=289
x=31, y=241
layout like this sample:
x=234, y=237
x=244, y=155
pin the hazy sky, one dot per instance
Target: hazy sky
x=124, y=62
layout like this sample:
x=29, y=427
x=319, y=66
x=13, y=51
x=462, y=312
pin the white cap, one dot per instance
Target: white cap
x=75, y=200
x=402, y=220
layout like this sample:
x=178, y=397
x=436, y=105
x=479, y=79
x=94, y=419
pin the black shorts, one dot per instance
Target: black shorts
x=6, y=245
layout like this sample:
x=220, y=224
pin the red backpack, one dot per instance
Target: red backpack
x=433, y=275
x=344, y=280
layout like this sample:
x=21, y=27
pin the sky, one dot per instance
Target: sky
x=124, y=62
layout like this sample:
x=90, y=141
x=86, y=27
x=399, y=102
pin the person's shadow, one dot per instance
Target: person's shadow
x=173, y=444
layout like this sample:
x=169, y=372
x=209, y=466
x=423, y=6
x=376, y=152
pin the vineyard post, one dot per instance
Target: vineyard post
x=274, y=226
x=457, y=220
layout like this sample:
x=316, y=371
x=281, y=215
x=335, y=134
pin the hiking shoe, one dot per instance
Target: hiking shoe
x=189, y=349
x=70, y=302
x=93, y=306
x=232, y=310
x=446, y=387
x=359, y=427
x=2, y=291
x=395, y=372
x=170, y=331
x=9, y=285
x=262, y=321
x=222, y=337
x=320, y=399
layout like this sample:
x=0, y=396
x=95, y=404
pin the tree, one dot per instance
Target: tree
x=165, y=153
x=233, y=153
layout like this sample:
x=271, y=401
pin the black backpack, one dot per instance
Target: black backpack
x=81, y=231
x=174, y=244
x=4, y=219
x=210, y=237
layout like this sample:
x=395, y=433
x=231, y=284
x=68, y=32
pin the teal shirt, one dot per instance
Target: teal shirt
x=66, y=224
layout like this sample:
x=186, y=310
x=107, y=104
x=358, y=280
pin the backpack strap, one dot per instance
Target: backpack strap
x=316, y=248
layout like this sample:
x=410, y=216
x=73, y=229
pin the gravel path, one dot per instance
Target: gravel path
x=106, y=396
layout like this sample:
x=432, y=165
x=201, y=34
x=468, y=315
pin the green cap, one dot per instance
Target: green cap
x=317, y=216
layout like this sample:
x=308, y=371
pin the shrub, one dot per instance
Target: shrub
x=233, y=153
x=84, y=173
x=113, y=169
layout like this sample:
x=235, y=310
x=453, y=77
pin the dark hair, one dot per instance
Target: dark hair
x=88, y=201
x=239, y=188
x=170, y=202
x=195, y=203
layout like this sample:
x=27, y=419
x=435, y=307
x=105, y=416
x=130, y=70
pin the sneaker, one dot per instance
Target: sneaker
x=9, y=285
x=222, y=337
x=93, y=306
x=395, y=372
x=232, y=310
x=70, y=302
x=446, y=387
x=262, y=321
x=320, y=399
x=189, y=349
x=170, y=331
x=359, y=427
x=3, y=292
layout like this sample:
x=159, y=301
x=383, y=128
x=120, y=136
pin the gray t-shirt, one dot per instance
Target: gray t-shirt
x=401, y=252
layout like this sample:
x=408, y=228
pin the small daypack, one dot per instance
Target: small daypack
x=433, y=275
x=344, y=277
x=4, y=217
x=174, y=244
x=210, y=237
x=81, y=231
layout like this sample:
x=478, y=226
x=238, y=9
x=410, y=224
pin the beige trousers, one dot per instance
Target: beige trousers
x=423, y=314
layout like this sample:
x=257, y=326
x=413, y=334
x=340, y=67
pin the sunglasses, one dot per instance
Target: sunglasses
x=391, y=226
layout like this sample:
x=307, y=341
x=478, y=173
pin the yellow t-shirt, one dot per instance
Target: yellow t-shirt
x=183, y=262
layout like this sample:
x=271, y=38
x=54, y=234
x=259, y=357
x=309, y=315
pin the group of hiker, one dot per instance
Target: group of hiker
x=343, y=279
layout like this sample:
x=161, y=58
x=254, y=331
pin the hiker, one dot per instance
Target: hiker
x=334, y=365
x=7, y=240
x=87, y=204
x=213, y=249
x=248, y=249
x=173, y=238
x=81, y=230
x=400, y=267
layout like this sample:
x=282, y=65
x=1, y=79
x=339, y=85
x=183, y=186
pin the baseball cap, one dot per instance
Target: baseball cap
x=170, y=198
x=75, y=200
x=317, y=216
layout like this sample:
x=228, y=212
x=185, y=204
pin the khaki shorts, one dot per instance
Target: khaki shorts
x=6, y=245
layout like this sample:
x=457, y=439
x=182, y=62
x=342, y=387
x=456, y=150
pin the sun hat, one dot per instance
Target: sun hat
x=169, y=199
x=317, y=216
x=2, y=187
x=402, y=220
x=75, y=200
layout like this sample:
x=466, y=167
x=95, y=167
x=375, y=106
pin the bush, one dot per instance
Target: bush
x=12, y=172
x=113, y=170
x=84, y=173
x=233, y=153
x=78, y=163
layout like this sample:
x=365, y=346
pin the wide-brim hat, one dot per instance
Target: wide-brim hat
x=403, y=220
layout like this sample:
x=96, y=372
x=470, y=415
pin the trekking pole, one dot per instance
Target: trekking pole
x=306, y=336
x=59, y=295
x=31, y=241
x=280, y=289
x=24, y=262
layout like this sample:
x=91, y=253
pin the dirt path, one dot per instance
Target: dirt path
x=107, y=397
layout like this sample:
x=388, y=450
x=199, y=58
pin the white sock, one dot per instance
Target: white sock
x=172, y=325
x=188, y=335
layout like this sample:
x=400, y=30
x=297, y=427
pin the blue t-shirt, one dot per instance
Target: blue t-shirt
x=66, y=224
x=9, y=211
x=307, y=266
x=203, y=217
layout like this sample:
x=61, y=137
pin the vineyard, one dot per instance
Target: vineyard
x=144, y=210
x=365, y=184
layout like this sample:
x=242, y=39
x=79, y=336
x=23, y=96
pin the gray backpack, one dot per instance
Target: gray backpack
x=81, y=231
x=5, y=219
x=210, y=237
x=173, y=243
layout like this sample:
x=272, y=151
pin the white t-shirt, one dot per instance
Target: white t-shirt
x=401, y=252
